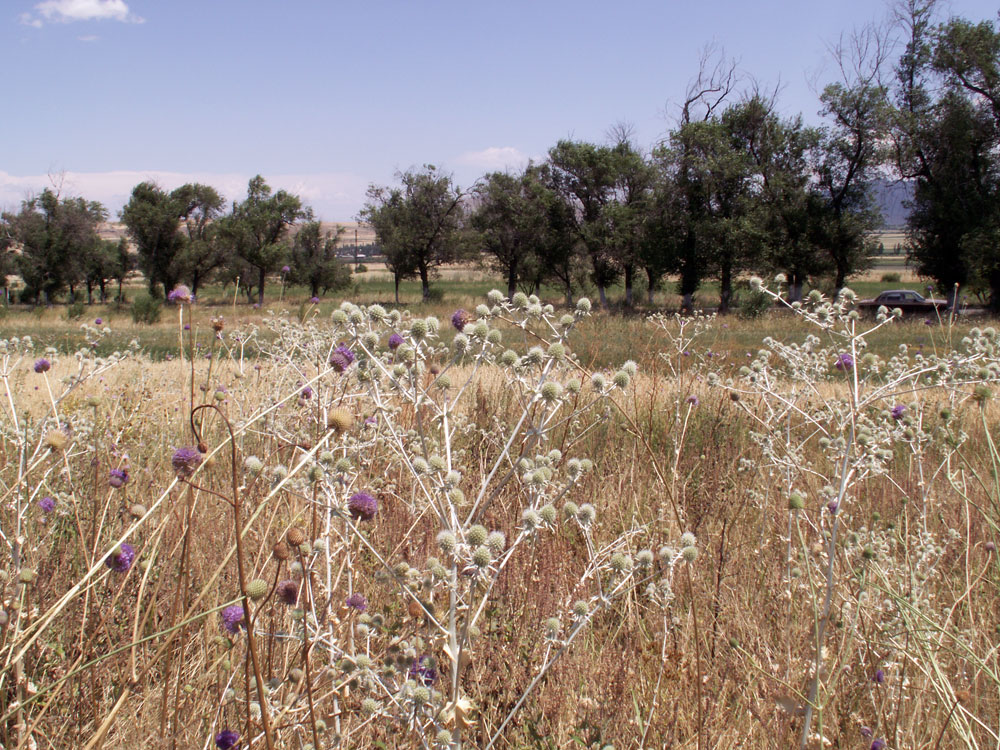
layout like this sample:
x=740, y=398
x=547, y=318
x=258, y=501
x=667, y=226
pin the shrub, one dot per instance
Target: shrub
x=435, y=294
x=891, y=278
x=753, y=304
x=146, y=309
x=75, y=310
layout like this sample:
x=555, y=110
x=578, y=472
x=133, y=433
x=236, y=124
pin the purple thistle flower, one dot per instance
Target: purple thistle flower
x=878, y=744
x=286, y=269
x=362, y=506
x=42, y=365
x=47, y=504
x=341, y=358
x=898, y=411
x=121, y=559
x=460, y=319
x=879, y=677
x=185, y=461
x=187, y=326
x=307, y=393
x=357, y=601
x=232, y=618
x=990, y=546
x=314, y=300
x=288, y=592
x=844, y=362
x=423, y=671
x=692, y=399
x=180, y=294
x=98, y=322
x=866, y=732
x=118, y=478
x=227, y=739
x=833, y=506
x=395, y=341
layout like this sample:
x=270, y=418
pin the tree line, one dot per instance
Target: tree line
x=736, y=187
x=182, y=236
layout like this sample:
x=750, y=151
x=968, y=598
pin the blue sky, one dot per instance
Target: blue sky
x=325, y=97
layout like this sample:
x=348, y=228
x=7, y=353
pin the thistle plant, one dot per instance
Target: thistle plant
x=830, y=417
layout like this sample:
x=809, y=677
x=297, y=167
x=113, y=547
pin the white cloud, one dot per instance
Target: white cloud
x=88, y=38
x=334, y=196
x=494, y=158
x=66, y=11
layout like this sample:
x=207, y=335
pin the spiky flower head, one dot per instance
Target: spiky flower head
x=688, y=539
x=424, y=671
x=362, y=506
x=339, y=420
x=583, y=305
x=620, y=562
x=446, y=541
x=47, y=504
x=690, y=554
x=395, y=341
x=844, y=362
x=121, y=559
x=185, y=461
x=357, y=602
x=118, y=478
x=551, y=391
x=232, y=618
x=482, y=557
x=460, y=319
x=295, y=536
x=180, y=294
x=227, y=739
x=898, y=411
x=42, y=365
x=341, y=358
x=476, y=535
x=586, y=514
x=56, y=440
x=287, y=592
x=580, y=608
x=496, y=541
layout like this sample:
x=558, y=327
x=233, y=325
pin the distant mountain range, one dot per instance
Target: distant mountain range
x=891, y=197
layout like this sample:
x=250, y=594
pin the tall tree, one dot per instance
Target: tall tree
x=201, y=253
x=152, y=218
x=53, y=233
x=510, y=216
x=314, y=259
x=257, y=229
x=419, y=224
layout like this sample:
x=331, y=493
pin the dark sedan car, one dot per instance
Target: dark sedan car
x=906, y=300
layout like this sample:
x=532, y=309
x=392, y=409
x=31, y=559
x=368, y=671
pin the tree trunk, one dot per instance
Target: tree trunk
x=603, y=296
x=260, y=289
x=511, y=281
x=725, y=288
x=395, y=278
x=629, y=271
x=795, y=288
x=425, y=283
x=90, y=292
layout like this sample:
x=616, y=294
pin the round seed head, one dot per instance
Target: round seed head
x=446, y=541
x=570, y=509
x=548, y=513
x=295, y=536
x=477, y=535
x=690, y=554
x=496, y=541
x=339, y=420
x=581, y=608
x=482, y=557
x=620, y=563
x=688, y=539
x=796, y=501
x=257, y=589
x=586, y=514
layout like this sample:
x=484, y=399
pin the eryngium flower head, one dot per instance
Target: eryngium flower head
x=186, y=460
x=232, y=618
x=118, y=478
x=395, y=341
x=227, y=739
x=42, y=365
x=341, y=358
x=460, y=319
x=287, y=592
x=179, y=294
x=357, y=601
x=47, y=504
x=362, y=506
x=898, y=411
x=121, y=559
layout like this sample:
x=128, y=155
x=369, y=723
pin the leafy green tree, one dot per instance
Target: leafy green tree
x=201, y=253
x=256, y=231
x=314, y=261
x=52, y=233
x=99, y=266
x=124, y=263
x=418, y=224
x=510, y=216
x=584, y=175
x=152, y=218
